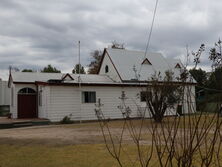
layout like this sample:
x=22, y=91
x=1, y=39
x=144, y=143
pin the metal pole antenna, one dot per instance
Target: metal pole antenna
x=80, y=92
x=79, y=60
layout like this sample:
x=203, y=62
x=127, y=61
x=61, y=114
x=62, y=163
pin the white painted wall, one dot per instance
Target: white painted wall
x=112, y=71
x=64, y=101
x=189, y=100
x=67, y=101
x=61, y=101
x=4, y=93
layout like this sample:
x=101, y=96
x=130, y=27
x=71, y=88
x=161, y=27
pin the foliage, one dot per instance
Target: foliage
x=96, y=58
x=199, y=75
x=78, y=69
x=66, y=120
x=162, y=95
x=215, y=80
x=181, y=141
x=13, y=68
x=116, y=45
x=198, y=54
x=27, y=70
x=4, y=110
x=216, y=55
x=50, y=69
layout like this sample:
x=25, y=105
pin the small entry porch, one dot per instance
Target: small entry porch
x=6, y=123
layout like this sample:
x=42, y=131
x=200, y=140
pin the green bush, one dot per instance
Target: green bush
x=4, y=111
x=66, y=120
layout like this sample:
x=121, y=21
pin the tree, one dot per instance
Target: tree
x=96, y=57
x=161, y=96
x=186, y=141
x=50, y=69
x=198, y=54
x=199, y=75
x=13, y=68
x=79, y=69
x=27, y=70
x=215, y=80
x=116, y=45
x=216, y=55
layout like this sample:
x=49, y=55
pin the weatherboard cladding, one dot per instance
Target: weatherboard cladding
x=63, y=101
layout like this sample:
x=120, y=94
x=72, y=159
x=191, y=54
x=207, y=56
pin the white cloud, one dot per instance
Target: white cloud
x=36, y=33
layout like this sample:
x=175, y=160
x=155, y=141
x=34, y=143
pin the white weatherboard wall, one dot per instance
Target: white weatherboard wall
x=61, y=101
x=112, y=71
x=189, y=100
x=4, y=93
x=67, y=101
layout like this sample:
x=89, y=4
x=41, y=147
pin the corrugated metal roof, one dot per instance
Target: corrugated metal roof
x=34, y=76
x=37, y=76
x=126, y=61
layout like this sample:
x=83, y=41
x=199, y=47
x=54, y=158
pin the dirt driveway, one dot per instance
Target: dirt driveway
x=85, y=133
x=53, y=134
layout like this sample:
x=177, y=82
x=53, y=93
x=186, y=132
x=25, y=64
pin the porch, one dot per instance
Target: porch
x=6, y=123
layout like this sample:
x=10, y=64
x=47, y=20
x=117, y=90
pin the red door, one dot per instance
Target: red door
x=27, y=106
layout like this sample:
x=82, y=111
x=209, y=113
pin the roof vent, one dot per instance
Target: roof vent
x=177, y=65
x=67, y=77
x=146, y=61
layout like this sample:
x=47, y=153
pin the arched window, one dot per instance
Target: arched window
x=27, y=91
x=106, y=69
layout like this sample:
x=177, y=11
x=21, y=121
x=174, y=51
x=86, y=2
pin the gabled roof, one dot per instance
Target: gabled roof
x=126, y=61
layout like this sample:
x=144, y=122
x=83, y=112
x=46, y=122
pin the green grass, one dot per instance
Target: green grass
x=42, y=153
x=62, y=156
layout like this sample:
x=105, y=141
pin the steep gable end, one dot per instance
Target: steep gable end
x=146, y=61
x=107, y=67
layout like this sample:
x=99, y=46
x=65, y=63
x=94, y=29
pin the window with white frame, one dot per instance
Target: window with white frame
x=88, y=97
x=144, y=96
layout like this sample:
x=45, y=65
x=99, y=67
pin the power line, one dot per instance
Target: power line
x=150, y=33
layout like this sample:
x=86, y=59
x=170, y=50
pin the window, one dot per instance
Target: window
x=89, y=97
x=26, y=91
x=144, y=95
x=179, y=109
x=106, y=69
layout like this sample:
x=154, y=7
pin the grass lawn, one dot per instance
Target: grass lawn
x=51, y=156
x=75, y=145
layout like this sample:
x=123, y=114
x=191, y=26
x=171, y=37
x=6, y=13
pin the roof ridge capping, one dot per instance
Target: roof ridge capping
x=129, y=50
